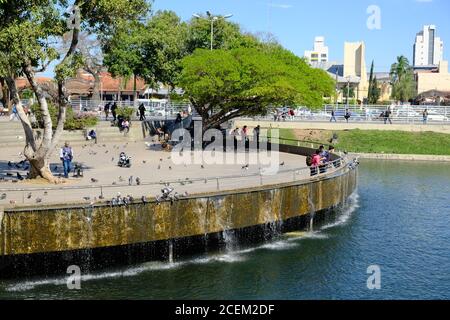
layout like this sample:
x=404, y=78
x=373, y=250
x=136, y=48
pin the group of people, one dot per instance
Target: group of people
x=111, y=107
x=320, y=160
x=244, y=133
x=283, y=115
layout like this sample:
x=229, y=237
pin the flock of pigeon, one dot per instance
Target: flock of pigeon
x=167, y=193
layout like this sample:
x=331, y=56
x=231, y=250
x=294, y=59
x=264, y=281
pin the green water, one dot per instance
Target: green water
x=399, y=219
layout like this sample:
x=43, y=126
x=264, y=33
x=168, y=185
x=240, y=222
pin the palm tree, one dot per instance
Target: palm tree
x=402, y=80
x=399, y=69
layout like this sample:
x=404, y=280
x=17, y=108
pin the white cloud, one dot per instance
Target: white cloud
x=281, y=5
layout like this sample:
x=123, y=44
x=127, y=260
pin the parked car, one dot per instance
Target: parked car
x=434, y=116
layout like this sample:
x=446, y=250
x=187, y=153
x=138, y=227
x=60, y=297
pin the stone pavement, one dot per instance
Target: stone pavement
x=153, y=166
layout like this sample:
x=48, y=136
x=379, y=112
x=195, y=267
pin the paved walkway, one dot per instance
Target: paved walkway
x=153, y=166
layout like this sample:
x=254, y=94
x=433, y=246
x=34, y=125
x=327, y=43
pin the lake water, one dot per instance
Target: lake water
x=399, y=220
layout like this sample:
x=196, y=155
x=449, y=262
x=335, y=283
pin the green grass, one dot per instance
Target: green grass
x=395, y=142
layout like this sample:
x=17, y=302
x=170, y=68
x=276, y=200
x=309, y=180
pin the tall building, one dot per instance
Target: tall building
x=355, y=66
x=320, y=52
x=428, y=48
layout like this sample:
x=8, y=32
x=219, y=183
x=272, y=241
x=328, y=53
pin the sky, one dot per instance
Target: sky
x=295, y=23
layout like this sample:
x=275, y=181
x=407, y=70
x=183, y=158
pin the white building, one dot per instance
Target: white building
x=320, y=52
x=428, y=48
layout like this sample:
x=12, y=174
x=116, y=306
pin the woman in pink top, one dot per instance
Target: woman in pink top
x=316, y=161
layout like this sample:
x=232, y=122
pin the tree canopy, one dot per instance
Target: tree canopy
x=223, y=84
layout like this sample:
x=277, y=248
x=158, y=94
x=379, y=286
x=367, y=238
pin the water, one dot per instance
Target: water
x=399, y=220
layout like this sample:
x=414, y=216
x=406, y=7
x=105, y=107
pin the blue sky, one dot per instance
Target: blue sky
x=295, y=23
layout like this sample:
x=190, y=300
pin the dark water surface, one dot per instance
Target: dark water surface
x=399, y=220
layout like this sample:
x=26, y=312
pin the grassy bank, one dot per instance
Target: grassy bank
x=377, y=141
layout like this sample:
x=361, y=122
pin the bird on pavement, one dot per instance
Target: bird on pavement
x=93, y=180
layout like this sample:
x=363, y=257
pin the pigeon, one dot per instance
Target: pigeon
x=130, y=180
x=19, y=176
x=170, y=168
x=202, y=166
x=87, y=198
x=159, y=167
x=138, y=181
x=3, y=196
x=245, y=167
x=112, y=159
x=144, y=162
x=45, y=193
x=106, y=151
x=101, y=197
x=160, y=159
x=55, y=168
x=29, y=196
x=114, y=183
x=282, y=164
x=93, y=180
x=38, y=200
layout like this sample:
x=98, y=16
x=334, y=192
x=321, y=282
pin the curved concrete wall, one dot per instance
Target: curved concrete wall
x=63, y=229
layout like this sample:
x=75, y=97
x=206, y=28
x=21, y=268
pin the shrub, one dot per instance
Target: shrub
x=125, y=112
x=73, y=121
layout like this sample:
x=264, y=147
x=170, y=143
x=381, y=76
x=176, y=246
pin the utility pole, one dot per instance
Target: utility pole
x=212, y=19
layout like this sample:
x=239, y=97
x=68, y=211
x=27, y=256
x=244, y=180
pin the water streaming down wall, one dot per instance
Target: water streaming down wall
x=165, y=231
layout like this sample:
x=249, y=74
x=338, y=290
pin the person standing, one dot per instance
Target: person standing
x=425, y=116
x=14, y=113
x=387, y=116
x=256, y=132
x=66, y=156
x=347, y=115
x=106, y=109
x=333, y=117
x=114, y=111
x=141, y=112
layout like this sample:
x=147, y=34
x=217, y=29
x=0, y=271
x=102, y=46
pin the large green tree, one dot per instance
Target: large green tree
x=27, y=30
x=402, y=80
x=224, y=84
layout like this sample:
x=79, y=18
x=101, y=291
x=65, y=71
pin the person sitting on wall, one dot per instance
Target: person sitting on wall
x=323, y=159
x=315, y=163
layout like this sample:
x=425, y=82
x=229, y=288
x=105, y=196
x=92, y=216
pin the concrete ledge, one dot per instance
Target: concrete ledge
x=408, y=157
x=441, y=128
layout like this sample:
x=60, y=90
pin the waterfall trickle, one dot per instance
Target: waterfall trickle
x=170, y=251
x=312, y=208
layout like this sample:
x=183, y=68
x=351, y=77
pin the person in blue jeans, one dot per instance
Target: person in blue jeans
x=66, y=156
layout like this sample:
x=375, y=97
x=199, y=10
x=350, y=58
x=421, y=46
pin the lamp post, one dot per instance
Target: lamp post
x=212, y=18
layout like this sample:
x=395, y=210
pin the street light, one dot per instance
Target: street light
x=212, y=18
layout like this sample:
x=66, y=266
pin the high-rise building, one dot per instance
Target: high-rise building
x=320, y=52
x=428, y=48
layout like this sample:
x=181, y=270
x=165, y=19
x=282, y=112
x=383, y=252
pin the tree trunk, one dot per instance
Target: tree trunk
x=96, y=89
x=39, y=167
